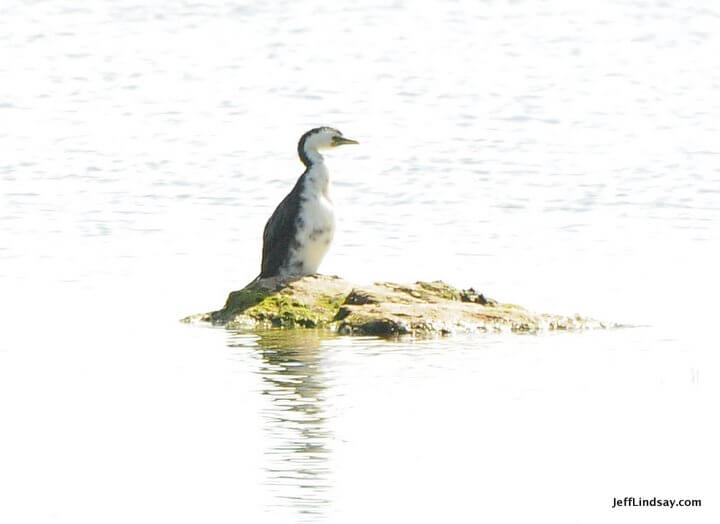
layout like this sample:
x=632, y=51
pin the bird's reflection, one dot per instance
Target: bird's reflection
x=294, y=383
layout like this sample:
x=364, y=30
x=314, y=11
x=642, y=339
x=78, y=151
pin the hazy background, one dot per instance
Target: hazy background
x=561, y=155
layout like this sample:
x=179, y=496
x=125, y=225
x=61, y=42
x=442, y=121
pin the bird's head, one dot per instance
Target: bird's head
x=320, y=138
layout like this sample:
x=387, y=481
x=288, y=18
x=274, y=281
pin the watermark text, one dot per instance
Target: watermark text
x=655, y=502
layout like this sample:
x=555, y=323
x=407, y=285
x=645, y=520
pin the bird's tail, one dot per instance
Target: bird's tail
x=254, y=280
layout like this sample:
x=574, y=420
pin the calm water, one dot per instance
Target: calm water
x=552, y=154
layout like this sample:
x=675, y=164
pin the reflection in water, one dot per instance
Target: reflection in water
x=295, y=421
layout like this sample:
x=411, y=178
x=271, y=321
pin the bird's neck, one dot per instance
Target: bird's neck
x=311, y=156
x=317, y=179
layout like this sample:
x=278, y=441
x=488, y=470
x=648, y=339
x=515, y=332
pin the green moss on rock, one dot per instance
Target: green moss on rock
x=439, y=289
x=283, y=311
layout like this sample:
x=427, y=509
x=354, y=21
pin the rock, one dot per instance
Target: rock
x=385, y=309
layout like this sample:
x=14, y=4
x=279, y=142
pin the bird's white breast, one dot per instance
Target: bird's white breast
x=315, y=225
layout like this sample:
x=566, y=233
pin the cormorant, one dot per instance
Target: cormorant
x=299, y=232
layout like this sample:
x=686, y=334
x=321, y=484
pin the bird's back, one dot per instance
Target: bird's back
x=280, y=231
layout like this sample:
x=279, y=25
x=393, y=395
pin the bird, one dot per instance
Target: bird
x=299, y=232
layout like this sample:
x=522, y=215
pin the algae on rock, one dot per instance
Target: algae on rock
x=310, y=302
x=386, y=308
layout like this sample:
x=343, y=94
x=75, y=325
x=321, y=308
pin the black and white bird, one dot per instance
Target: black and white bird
x=298, y=234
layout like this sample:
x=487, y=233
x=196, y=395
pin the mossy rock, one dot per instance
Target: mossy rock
x=386, y=309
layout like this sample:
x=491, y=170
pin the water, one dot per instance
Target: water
x=553, y=154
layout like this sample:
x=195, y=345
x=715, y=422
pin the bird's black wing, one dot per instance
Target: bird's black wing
x=280, y=231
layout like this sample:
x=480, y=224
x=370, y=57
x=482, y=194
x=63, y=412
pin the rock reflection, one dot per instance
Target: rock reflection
x=295, y=419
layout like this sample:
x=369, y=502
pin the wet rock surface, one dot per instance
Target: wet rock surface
x=385, y=309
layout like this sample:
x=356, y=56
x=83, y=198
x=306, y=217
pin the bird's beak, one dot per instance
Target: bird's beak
x=341, y=140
